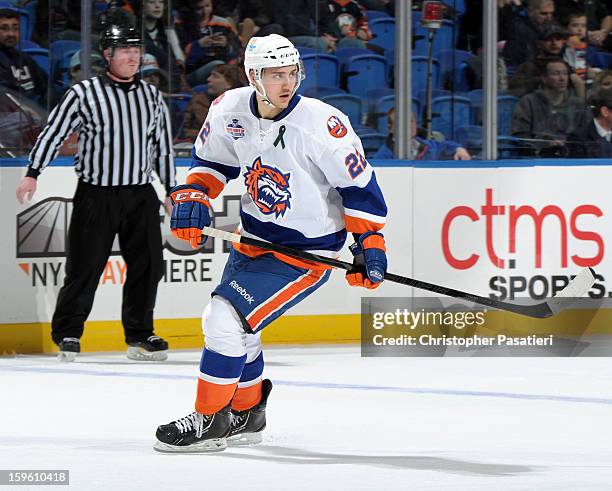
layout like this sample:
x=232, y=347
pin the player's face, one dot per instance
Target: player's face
x=125, y=62
x=9, y=32
x=279, y=84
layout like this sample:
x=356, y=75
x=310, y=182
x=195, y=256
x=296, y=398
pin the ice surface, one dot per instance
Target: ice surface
x=335, y=421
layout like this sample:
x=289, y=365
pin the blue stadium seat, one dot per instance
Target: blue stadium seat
x=320, y=70
x=383, y=31
x=61, y=69
x=373, y=95
x=417, y=107
x=419, y=73
x=200, y=89
x=469, y=136
x=180, y=101
x=344, y=54
x=449, y=60
x=305, y=50
x=371, y=142
x=58, y=49
x=475, y=97
x=443, y=39
x=461, y=82
x=505, y=108
x=32, y=7
x=319, y=91
x=41, y=57
x=422, y=95
x=376, y=14
x=348, y=104
x=449, y=113
x=362, y=129
x=509, y=147
x=365, y=72
x=606, y=59
x=25, y=44
x=380, y=112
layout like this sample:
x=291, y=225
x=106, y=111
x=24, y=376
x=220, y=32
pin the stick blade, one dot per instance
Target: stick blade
x=575, y=289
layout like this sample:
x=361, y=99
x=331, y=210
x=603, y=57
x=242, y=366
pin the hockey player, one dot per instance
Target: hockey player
x=307, y=185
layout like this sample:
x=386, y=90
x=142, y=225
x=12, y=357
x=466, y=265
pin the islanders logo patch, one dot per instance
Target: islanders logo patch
x=335, y=127
x=235, y=129
x=268, y=187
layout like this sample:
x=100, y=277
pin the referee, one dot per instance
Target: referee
x=124, y=135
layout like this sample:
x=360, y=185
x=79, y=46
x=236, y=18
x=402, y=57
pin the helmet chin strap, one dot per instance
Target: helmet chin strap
x=261, y=92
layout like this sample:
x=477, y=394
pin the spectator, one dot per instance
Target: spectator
x=583, y=59
x=207, y=39
x=521, y=44
x=603, y=80
x=97, y=66
x=595, y=139
x=298, y=19
x=221, y=78
x=599, y=21
x=474, y=73
x=387, y=6
x=161, y=41
x=549, y=113
x=18, y=71
x=551, y=42
x=250, y=17
x=345, y=21
x=154, y=75
x=422, y=149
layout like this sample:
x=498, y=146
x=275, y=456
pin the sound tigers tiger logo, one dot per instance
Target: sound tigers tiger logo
x=268, y=187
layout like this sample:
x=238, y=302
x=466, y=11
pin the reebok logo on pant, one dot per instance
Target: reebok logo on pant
x=246, y=295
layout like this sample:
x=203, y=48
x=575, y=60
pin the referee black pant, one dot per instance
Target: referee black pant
x=99, y=214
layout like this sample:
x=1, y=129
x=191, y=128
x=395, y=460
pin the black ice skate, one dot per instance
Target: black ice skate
x=153, y=349
x=195, y=433
x=248, y=425
x=69, y=347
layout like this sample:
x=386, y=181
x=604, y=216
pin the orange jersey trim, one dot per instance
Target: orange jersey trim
x=361, y=225
x=212, y=185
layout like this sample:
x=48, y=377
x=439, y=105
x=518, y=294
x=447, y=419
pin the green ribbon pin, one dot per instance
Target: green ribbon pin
x=279, y=138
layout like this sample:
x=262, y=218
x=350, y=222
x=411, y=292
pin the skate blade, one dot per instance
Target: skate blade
x=66, y=356
x=245, y=439
x=141, y=354
x=207, y=446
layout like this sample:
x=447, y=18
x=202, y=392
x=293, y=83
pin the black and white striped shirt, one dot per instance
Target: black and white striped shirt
x=123, y=131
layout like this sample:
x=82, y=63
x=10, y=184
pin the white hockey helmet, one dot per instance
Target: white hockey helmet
x=269, y=52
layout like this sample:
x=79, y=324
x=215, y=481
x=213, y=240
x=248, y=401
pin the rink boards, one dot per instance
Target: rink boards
x=509, y=230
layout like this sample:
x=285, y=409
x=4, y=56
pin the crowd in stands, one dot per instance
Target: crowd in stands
x=554, y=62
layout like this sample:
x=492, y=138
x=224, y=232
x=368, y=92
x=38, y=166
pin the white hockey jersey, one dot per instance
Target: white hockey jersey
x=307, y=180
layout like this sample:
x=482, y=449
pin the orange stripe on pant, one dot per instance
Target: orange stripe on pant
x=247, y=397
x=284, y=296
x=211, y=397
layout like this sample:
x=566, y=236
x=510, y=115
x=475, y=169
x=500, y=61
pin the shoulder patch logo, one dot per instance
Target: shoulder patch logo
x=268, y=188
x=235, y=129
x=335, y=127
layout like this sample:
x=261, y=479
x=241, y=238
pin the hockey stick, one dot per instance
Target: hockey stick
x=577, y=287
